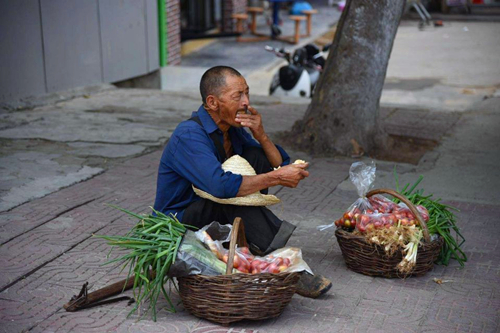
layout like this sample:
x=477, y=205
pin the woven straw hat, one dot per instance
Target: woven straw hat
x=238, y=165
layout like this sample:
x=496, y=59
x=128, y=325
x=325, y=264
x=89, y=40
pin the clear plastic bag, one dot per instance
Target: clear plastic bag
x=375, y=212
x=288, y=259
x=382, y=204
x=221, y=234
x=362, y=176
x=194, y=258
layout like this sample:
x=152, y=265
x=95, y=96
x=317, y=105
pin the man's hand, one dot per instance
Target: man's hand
x=288, y=176
x=292, y=174
x=254, y=122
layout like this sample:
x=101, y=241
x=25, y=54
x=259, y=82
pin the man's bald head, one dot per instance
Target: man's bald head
x=214, y=80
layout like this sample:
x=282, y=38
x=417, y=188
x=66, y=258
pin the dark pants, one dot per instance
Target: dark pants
x=264, y=231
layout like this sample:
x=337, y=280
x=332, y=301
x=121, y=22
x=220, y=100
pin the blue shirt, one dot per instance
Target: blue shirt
x=191, y=158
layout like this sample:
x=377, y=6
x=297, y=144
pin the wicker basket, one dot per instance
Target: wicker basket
x=370, y=259
x=232, y=297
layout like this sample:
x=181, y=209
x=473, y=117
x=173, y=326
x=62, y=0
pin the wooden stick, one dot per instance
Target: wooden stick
x=232, y=245
x=84, y=298
x=237, y=238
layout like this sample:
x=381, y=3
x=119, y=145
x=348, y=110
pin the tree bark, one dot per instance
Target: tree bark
x=343, y=114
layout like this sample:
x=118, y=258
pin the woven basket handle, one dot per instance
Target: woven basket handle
x=237, y=238
x=408, y=203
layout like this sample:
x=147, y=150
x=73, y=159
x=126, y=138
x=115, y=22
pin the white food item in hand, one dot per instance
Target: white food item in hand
x=296, y=162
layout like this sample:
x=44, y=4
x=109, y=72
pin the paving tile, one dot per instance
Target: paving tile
x=324, y=177
x=25, y=217
x=18, y=261
x=422, y=124
x=36, y=247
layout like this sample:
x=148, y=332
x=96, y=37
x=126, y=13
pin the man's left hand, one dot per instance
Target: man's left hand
x=254, y=122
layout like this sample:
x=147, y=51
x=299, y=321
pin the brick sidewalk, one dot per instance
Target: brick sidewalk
x=48, y=253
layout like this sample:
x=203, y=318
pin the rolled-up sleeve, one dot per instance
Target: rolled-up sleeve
x=193, y=158
x=250, y=141
x=284, y=155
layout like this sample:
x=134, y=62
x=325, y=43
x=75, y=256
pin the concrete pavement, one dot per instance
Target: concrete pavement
x=106, y=147
x=448, y=68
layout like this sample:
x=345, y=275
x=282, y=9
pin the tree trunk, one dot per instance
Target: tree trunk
x=343, y=115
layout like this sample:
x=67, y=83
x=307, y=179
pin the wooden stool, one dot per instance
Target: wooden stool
x=297, y=19
x=254, y=11
x=240, y=19
x=309, y=13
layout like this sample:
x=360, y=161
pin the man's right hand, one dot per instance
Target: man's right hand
x=291, y=175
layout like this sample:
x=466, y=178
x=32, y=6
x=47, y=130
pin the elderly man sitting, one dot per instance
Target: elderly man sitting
x=193, y=158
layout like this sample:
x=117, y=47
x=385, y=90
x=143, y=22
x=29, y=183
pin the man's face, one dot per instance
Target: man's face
x=234, y=98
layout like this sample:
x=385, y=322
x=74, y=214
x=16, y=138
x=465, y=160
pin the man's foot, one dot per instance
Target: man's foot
x=312, y=286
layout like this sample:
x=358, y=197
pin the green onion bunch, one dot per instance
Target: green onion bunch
x=152, y=245
x=442, y=221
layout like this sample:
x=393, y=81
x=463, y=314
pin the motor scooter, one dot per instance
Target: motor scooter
x=299, y=77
